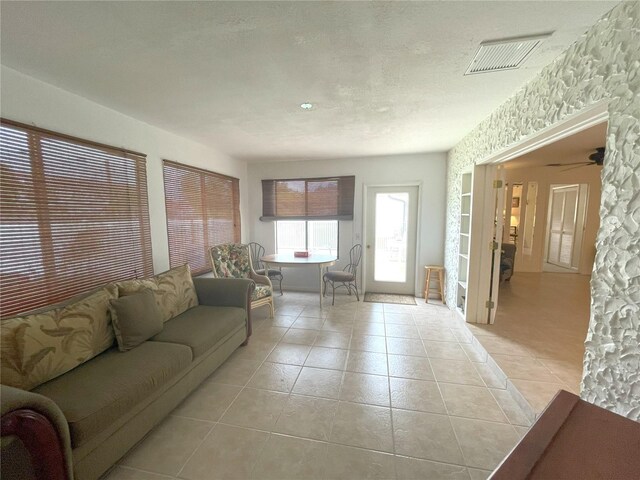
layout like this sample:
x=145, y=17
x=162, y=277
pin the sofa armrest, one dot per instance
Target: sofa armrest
x=41, y=427
x=227, y=292
x=224, y=292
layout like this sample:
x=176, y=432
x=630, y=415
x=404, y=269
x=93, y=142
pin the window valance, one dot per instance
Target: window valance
x=326, y=198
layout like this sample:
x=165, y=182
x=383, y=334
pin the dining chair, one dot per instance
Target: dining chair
x=233, y=260
x=348, y=277
x=257, y=252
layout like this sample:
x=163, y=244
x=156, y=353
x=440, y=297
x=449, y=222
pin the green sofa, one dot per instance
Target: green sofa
x=100, y=409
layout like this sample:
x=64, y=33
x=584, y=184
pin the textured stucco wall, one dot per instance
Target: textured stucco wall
x=603, y=65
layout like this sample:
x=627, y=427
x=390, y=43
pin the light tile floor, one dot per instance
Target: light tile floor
x=355, y=391
x=539, y=332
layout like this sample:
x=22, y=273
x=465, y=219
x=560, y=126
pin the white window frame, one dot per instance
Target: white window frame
x=306, y=233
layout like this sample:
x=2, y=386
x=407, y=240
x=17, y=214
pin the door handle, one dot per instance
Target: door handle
x=368, y=247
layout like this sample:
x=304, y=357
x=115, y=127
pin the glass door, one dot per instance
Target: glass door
x=391, y=239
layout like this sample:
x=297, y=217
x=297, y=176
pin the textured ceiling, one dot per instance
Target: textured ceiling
x=384, y=77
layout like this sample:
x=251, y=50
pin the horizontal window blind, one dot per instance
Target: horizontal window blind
x=203, y=210
x=73, y=215
x=327, y=198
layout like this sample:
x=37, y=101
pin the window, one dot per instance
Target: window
x=327, y=198
x=320, y=236
x=73, y=215
x=203, y=209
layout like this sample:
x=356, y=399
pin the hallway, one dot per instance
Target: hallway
x=538, y=337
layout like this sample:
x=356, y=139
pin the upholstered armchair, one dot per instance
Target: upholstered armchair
x=233, y=260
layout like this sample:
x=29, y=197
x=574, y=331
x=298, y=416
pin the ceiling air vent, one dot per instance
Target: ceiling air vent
x=504, y=54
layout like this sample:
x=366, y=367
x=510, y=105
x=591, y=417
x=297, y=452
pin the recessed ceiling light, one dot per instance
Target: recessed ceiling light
x=306, y=106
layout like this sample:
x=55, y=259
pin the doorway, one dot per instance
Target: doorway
x=541, y=318
x=391, y=227
x=565, y=226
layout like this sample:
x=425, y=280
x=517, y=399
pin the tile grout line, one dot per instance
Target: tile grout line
x=223, y=414
x=350, y=351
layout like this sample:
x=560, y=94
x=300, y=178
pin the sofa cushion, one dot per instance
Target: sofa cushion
x=135, y=318
x=202, y=327
x=97, y=393
x=48, y=343
x=173, y=290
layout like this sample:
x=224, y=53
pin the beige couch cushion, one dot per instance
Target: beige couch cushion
x=201, y=328
x=43, y=345
x=174, y=291
x=97, y=393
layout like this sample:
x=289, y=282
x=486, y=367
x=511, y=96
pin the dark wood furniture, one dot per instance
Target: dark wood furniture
x=574, y=439
x=41, y=440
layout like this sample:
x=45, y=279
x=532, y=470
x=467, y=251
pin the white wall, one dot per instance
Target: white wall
x=27, y=100
x=546, y=176
x=429, y=169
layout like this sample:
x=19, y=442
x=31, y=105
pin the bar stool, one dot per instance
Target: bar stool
x=427, y=282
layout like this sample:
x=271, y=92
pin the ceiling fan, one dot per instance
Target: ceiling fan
x=596, y=158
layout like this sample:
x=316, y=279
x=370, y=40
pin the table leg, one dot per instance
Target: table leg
x=320, y=285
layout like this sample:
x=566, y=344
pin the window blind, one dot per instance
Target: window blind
x=203, y=209
x=327, y=198
x=73, y=215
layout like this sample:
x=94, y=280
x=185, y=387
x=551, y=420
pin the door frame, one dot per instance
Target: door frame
x=586, y=118
x=363, y=234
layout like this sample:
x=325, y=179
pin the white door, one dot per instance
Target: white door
x=496, y=242
x=486, y=241
x=561, y=236
x=390, y=246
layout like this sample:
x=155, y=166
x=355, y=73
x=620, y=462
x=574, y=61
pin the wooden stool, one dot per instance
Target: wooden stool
x=427, y=282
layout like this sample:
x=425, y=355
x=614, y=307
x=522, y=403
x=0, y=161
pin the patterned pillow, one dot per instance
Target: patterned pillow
x=41, y=346
x=129, y=287
x=176, y=292
x=173, y=291
x=231, y=260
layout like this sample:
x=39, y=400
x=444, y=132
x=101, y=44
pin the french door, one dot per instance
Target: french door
x=392, y=214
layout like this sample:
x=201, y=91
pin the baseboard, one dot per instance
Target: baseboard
x=524, y=405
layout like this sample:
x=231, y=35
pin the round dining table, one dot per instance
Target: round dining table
x=289, y=260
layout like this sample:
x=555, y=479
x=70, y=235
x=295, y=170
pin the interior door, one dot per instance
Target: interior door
x=563, y=210
x=496, y=243
x=392, y=214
